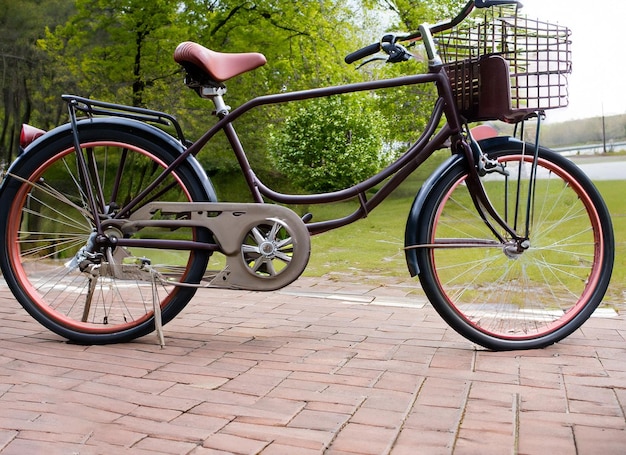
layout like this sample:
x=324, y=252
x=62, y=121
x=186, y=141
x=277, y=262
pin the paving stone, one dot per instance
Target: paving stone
x=319, y=420
x=164, y=429
x=378, y=417
x=165, y=446
x=364, y=439
x=599, y=440
x=115, y=435
x=306, y=438
x=483, y=442
x=31, y=446
x=359, y=370
x=6, y=436
x=282, y=449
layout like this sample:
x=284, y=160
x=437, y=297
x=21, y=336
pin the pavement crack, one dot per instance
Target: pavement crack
x=345, y=423
x=405, y=416
x=517, y=404
x=457, y=430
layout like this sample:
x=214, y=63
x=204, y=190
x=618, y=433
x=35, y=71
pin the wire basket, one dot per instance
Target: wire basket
x=505, y=66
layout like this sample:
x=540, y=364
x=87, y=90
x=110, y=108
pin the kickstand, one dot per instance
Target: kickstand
x=158, y=321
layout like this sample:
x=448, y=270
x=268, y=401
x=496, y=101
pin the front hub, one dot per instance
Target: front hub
x=514, y=249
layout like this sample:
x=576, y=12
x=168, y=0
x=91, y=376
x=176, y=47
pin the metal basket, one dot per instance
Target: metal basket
x=499, y=50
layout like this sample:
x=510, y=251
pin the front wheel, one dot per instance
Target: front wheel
x=51, y=261
x=505, y=294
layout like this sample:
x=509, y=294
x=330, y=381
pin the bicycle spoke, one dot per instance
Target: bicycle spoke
x=86, y=290
x=517, y=292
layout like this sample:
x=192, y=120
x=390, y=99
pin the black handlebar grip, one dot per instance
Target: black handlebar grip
x=362, y=53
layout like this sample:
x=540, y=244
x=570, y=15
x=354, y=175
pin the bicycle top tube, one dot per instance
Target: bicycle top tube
x=445, y=107
x=399, y=170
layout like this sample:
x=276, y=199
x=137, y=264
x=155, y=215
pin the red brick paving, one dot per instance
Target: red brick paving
x=358, y=372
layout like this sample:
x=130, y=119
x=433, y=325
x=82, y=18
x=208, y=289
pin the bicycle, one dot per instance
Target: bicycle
x=109, y=221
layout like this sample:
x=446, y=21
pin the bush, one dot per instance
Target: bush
x=331, y=143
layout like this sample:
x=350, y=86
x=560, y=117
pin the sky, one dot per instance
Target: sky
x=597, y=84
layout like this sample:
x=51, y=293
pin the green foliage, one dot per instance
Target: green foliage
x=24, y=68
x=117, y=49
x=409, y=14
x=406, y=109
x=304, y=43
x=121, y=51
x=331, y=143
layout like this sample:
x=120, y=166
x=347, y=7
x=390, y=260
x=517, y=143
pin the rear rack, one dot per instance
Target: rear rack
x=94, y=108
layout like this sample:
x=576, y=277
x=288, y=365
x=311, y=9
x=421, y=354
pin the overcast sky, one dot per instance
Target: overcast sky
x=598, y=80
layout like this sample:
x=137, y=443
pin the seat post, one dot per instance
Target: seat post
x=215, y=94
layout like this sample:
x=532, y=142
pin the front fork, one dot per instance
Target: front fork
x=480, y=165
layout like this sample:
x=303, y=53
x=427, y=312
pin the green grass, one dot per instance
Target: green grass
x=614, y=194
x=372, y=248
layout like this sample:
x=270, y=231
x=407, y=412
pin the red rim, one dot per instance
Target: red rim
x=592, y=282
x=14, y=250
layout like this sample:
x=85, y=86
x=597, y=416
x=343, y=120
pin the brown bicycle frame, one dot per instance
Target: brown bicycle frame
x=429, y=141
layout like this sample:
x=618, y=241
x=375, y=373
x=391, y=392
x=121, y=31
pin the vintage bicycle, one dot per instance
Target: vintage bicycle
x=109, y=221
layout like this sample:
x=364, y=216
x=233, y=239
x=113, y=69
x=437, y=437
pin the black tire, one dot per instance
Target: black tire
x=45, y=221
x=503, y=297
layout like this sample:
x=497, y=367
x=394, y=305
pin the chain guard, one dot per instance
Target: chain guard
x=266, y=246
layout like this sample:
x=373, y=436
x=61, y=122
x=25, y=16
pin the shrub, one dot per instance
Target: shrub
x=330, y=143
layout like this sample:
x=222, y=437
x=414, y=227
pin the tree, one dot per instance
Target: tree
x=118, y=50
x=331, y=143
x=409, y=14
x=23, y=68
x=121, y=51
x=408, y=108
x=304, y=42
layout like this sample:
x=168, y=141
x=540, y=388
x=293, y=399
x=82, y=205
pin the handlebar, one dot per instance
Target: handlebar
x=362, y=53
x=388, y=44
x=396, y=49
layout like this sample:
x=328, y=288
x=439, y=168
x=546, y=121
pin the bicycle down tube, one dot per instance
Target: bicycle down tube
x=258, y=190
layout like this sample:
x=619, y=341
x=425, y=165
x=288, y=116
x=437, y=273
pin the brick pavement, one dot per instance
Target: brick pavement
x=320, y=367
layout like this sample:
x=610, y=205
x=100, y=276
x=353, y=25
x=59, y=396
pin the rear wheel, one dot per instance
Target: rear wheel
x=506, y=294
x=74, y=282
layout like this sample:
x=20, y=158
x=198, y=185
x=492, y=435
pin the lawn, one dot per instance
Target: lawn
x=372, y=248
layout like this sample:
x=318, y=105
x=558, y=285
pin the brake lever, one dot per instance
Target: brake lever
x=397, y=52
x=373, y=59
